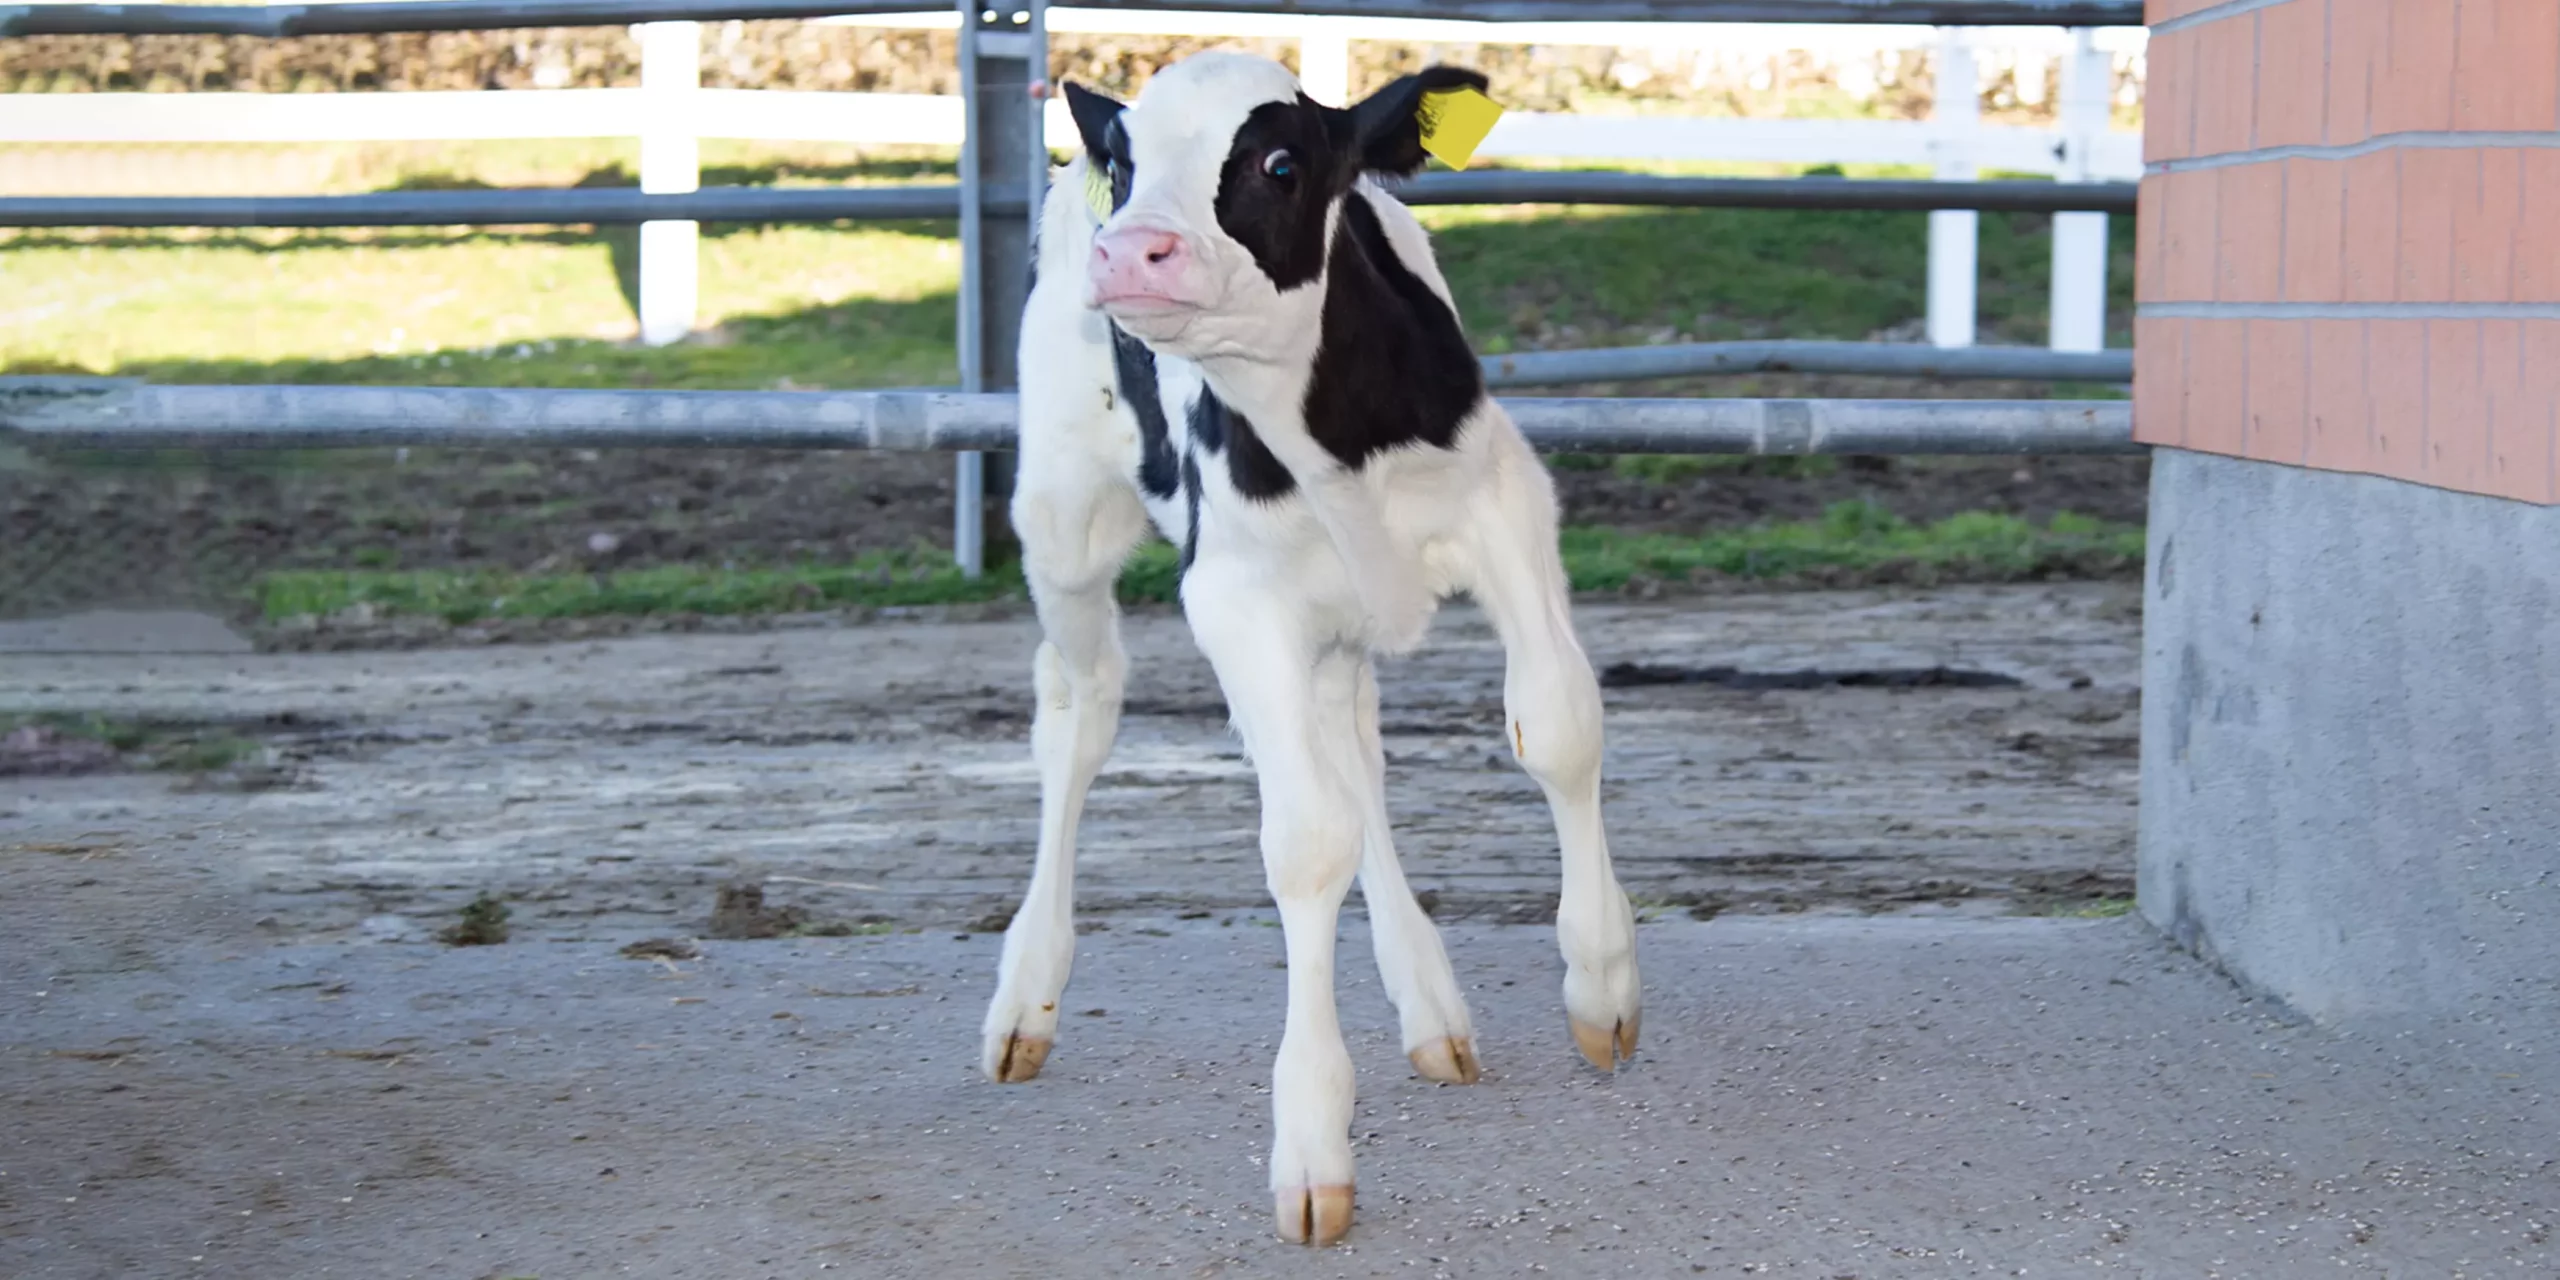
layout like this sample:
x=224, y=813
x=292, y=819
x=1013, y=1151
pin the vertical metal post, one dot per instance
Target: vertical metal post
x=1954, y=234
x=2079, y=285
x=1324, y=62
x=670, y=163
x=1003, y=52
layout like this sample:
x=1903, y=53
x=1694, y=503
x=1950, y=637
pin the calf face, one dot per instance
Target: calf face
x=1226, y=187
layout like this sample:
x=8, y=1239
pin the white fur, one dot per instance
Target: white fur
x=1285, y=599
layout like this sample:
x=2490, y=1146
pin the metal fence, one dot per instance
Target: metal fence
x=1002, y=166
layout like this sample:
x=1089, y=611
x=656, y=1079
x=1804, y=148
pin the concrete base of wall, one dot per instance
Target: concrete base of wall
x=2351, y=740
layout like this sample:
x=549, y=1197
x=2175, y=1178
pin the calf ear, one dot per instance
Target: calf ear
x=1094, y=113
x=1386, y=126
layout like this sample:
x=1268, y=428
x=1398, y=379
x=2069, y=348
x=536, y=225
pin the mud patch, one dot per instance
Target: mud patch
x=1634, y=675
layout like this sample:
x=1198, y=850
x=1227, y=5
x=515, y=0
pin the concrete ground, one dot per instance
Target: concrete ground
x=1820, y=1097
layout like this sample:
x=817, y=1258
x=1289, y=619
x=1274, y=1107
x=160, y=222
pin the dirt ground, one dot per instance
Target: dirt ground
x=93, y=531
x=239, y=1050
x=877, y=775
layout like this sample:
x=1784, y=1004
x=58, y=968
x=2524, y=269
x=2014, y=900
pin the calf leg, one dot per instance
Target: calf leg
x=1552, y=703
x=1412, y=963
x=1311, y=840
x=1076, y=524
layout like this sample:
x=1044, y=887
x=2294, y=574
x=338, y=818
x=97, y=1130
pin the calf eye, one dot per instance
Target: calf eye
x=1280, y=166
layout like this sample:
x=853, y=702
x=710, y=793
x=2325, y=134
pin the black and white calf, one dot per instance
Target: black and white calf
x=1255, y=350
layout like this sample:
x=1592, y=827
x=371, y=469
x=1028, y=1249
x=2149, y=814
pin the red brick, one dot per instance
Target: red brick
x=2537, y=252
x=2249, y=233
x=2527, y=64
x=2279, y=407
x=2519, y=430
x=2432, y=182
x=2216, y=385
x=2415, y=88
x=2147, y=248
x=2155, y=12
x=2187, y=235
x=2541, y=391
x=2372, y=245
x=2168, y=100
x=2315, y=193
x=2159, y=381
x=2224, y=86
x=2484, y=230
x=2357, y=38
x=2341, y=426
x=2481, y=89
x=2456, y=445
x=2293, y=73
x=2396, y=386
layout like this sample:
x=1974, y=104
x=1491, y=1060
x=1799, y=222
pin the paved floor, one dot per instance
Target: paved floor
x=1818, y=1097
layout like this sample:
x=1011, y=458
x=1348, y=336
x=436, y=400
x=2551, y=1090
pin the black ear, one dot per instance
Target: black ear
x=1386, y=126
x=1094, y=113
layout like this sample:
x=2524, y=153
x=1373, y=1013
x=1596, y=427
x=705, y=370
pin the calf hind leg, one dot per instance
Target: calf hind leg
x=1412, y=963
x=1075, y=530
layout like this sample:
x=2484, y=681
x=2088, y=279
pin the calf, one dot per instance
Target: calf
x=1247, y=343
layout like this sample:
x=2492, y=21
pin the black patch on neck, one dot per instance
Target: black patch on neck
x=1191, y=505
x=1281, y=222
x=1251, y=468
x=1393, y=368
x=1134, y=368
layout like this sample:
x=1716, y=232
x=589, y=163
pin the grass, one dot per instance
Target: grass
x=1852, y=537
x=873, y=304
x=169, y=747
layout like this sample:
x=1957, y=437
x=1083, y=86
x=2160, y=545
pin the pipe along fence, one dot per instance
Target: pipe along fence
x=1003, y=168
x=124, y=413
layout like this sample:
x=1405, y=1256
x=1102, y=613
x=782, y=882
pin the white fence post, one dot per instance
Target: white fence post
x=2079, y=305
x=670, y=163
x=1324, y=63
x=1954, y=234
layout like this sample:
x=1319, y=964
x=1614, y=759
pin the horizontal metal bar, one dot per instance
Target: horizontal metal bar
x=1827, y=426
x=1525, y=186
x=284, y=20
x=471, y=15
x=618, y=205
x=125, y=414
x=522, y=207
x=1880, y=359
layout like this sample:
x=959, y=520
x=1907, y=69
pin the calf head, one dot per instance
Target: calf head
x=1226, y=182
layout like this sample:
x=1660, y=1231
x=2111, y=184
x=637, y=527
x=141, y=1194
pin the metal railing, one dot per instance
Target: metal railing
x=1002, y=168
x=128, y=414
x=285, y=20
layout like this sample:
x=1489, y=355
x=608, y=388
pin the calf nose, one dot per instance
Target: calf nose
x=1140, y=262
x=1158, y=249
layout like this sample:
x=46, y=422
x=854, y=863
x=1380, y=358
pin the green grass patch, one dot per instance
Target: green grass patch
x=168, y=746
x=1850, y=536
x=869, y=305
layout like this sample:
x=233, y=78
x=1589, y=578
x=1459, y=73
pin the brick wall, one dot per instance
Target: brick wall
x=2350, y=238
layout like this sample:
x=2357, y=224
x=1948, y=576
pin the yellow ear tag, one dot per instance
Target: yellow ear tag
x=1454, y=123
x=1097, y=191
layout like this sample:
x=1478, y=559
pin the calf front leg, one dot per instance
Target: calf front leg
x=1075, y=529
x=1311, y=840
x=1551, y=702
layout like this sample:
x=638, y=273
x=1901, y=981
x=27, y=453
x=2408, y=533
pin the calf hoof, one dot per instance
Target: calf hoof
x=1448, y=1060
x=1313, y=1215
x=1018, y=1059
x=1606, y=1047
